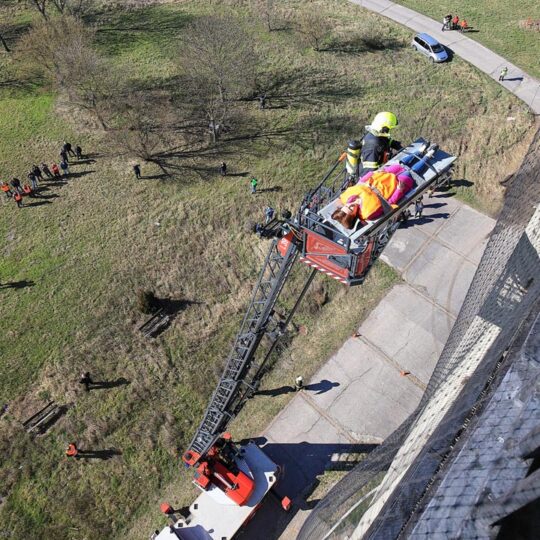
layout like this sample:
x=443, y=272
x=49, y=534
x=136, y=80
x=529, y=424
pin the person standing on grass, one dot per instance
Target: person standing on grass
x=28, y=190
x=18, y=199
x=33, y=180
x=16, y=185
x=64, y=165
x=269, y=214
x=223, y=169
x=503, y=73
x=455, y=23
x=72, y=450
x=37, y=172
x=418, y=208
x=86, y=380
x=78, y=151
x=137, y=171
x=6, y=189
x=64, y=155
x=253, y=184
x=68, y=149
x=55, y=170
x=46, y=170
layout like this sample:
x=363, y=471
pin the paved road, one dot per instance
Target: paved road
x=376, y=380
x=524, y=86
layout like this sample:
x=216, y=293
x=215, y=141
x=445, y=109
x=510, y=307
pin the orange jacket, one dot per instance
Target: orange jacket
x=27, y=189
x=72, y=450
x=17, y=196
x=368, y=204
x=5, y=187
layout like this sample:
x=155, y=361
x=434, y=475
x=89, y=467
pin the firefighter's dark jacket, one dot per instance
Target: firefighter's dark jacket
x=374, y=149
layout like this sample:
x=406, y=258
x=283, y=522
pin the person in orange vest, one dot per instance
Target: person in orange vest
x=27, y=190
x=18, y=199
x=6, y=189
x=464, y=25
x=72, y=450
x=455, y=23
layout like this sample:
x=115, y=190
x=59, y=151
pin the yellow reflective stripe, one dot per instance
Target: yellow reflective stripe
x=370, y=164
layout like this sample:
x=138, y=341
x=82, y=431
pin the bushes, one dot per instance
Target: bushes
x=146, y=301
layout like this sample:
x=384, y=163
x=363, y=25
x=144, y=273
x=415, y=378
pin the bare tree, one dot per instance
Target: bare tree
x=220, y=63
x=41, y=6
x=315, y=28
x=61, y=51
x=76, y=8
x=4, y=42
x=268, y=12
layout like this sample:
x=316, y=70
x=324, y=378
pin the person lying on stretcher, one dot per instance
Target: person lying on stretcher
x=362, y=201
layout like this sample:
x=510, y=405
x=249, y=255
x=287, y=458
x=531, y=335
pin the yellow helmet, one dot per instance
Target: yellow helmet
x=384, y=122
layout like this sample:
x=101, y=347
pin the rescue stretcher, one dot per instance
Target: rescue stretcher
x=346, y=255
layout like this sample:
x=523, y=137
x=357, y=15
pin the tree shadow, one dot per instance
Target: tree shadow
x=17, y=284
x=99, y=454
x=361, y=44
x=104, y=385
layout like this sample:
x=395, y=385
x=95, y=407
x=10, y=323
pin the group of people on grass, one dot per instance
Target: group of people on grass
x=454, y=23
x=16, y=190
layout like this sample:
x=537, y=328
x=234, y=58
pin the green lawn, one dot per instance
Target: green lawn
x=103, y=235
x=498, y=25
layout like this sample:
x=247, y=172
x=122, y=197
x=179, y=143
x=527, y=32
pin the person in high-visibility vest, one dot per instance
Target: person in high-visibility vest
x=377, y=142
x=18, y=199
x=72, y=450
x=6, y=189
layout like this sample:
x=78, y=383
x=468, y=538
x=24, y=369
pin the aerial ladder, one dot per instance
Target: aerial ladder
x=235, y=478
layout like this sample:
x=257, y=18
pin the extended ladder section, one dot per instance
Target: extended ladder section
x=230, y=393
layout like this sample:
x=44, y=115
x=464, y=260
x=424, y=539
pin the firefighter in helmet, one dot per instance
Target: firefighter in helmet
x=377, y=142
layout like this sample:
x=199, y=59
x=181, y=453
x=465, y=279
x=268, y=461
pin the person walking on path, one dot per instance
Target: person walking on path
x=68, y=148
x=6, y=189
x=46, y=170
x=78, y=151
x=55, y=170
x=446, y=23
x=18, y=199
x=418, y=208
x=72, y=450
x=253, y=184
x=64, y=165
x=503, y=73
x=137, y=171
x=269, y=214
x=223, y=169
x=33, y=180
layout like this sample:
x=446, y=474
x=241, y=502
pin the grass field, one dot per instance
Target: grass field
x=102, y=235
x=498, y=25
